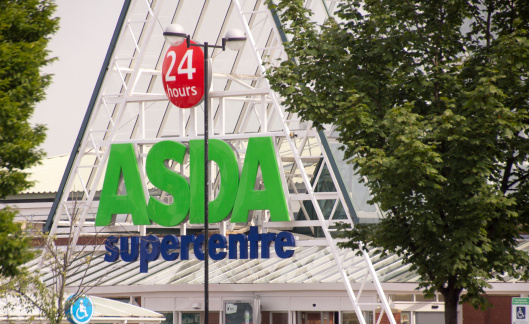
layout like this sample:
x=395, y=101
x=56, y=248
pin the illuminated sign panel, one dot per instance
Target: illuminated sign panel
x=235, y=199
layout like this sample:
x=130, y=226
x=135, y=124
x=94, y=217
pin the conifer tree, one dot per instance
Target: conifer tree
x=25, y=28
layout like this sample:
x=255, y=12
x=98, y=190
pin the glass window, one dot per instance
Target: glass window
x=405, y=318
x=422, y=298
x=190, y=318
x=351, y=318
x=168, y=318
x=402, y=297
x=274, y=317
x=309, y=318
x=238, y=313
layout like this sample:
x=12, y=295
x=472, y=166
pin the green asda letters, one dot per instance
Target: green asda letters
x=122, y=161
x=235, y=198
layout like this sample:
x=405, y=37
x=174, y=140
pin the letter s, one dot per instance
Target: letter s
x=110, y=247
x=169, y=181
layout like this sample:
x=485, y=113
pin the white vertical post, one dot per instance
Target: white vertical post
x=222, y=116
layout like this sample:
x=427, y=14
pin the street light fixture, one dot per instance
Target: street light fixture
x=234, y=39
x=174, y=34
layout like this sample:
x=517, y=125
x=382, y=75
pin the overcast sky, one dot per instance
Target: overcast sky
x=80, y=45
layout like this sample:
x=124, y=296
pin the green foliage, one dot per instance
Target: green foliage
x=14, y=246
x=40, y=287
x=431, y=101
x=29, y=293
x=24, y=30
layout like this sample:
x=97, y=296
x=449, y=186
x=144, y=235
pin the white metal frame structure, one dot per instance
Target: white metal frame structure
x=130, y=106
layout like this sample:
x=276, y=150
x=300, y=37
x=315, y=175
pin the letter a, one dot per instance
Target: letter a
x=122, y=160
x=260, y=152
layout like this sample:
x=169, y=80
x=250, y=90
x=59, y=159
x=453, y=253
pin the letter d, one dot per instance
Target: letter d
x=222, y=153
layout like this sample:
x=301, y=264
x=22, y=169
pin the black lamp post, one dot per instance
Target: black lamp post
x=234, y=40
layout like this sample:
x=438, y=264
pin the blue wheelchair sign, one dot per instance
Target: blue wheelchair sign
x=81, y=310
x=520, y=312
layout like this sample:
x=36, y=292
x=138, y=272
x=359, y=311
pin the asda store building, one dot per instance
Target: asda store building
x=135, y=186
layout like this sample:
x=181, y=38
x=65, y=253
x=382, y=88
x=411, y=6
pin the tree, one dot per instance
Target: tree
x=24, y=30
x=60, y=261
x=431, y=101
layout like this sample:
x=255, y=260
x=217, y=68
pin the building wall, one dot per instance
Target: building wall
x=385, y=319
x=499, y=313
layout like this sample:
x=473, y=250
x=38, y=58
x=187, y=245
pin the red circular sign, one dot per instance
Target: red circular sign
x=183, y=75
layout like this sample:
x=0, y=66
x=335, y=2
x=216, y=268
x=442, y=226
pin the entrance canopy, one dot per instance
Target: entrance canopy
x=105, y=311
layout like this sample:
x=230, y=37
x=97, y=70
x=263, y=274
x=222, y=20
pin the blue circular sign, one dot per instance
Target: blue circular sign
x=81, y=310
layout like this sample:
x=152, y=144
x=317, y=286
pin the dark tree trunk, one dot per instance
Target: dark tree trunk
x=451, y=297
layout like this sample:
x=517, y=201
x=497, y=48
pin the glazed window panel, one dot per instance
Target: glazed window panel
x=190, y=318
x=402, y=297
x=168, y=318
x=238, y=313
x=422, y=298
x=405, y=318
x=351, y=318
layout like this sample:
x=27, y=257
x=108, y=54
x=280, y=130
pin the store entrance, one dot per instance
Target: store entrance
x=317, y=317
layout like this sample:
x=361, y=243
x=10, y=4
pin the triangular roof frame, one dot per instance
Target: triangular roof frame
x=129, y=105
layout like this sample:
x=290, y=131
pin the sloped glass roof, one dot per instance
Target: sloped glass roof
x=309, y=264
x=314, y=264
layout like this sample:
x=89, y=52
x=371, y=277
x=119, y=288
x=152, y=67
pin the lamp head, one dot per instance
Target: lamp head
x=235, y=39
x=174, y=34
